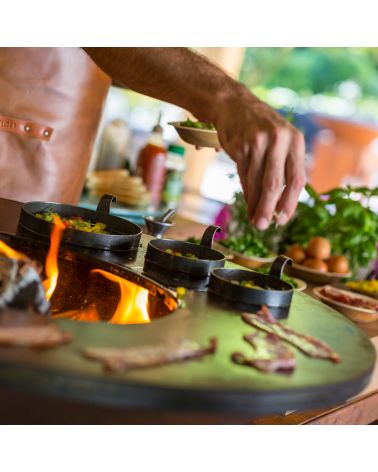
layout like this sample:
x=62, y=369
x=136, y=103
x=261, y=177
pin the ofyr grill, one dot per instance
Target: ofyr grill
x=216, y=384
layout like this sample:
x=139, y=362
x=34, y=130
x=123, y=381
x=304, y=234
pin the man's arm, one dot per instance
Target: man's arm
x=264, y=146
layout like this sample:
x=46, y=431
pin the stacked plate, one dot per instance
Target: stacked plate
x=129, y=190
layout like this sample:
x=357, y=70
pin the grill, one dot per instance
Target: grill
x=214, y=384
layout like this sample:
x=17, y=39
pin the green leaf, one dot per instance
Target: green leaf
x=311, y=191
x=321, y=212
x=364, y=190
x=336, y=193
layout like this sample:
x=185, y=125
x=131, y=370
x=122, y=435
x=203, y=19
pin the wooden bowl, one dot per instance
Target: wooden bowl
x=314, y=276
x=250, y=262
x=197, y=137
x=358, y=315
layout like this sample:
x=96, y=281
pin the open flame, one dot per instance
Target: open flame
x=9, y=252
x=132, y=307
x=51, y=267
x=89, y=314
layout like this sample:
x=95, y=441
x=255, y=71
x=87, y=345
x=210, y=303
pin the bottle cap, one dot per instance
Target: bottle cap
x=176, y=149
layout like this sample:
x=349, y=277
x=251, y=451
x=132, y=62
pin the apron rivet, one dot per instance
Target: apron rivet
x=46, y=133
x=27, y=128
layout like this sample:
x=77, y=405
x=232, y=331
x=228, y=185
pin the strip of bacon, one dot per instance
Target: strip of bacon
x=38, y=336
x=310, y=346
x=271, y=355
x=176, y=350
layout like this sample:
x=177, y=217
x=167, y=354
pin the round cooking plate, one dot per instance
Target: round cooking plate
x=213, y=384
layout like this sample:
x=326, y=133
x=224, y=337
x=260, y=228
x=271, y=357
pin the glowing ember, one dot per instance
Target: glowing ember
x=52, y=257
x=4, y=249
x=89, y=314
x=132, y=307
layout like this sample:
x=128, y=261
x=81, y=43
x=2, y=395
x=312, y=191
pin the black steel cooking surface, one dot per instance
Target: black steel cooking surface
x=213, y=384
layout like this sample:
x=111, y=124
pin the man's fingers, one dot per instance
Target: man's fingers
x=273, y=178
x=295, y=181
x=240, y=155
x=256, y=172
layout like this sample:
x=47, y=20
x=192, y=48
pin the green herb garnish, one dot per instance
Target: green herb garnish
x=196, y=124
x=246, y=245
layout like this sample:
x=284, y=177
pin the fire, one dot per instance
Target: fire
x=9, y=252
x=89, y=314
x=132, y=307
x=51, y=267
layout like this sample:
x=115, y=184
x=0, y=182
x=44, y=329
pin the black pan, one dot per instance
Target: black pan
x=221, y=284
x=124, y=235
x=207, y=260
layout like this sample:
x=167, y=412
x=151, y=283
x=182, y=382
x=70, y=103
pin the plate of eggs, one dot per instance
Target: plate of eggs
x=316, y=263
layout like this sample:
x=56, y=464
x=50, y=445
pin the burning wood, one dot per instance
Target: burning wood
x=20, y=284
x=132, y=307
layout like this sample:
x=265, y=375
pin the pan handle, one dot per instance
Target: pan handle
x=278, y=266
x=208, y=236
x=105, y=202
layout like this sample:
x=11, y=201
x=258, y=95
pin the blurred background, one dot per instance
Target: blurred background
x=331, y=94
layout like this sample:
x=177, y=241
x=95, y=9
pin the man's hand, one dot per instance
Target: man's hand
x=264, y=146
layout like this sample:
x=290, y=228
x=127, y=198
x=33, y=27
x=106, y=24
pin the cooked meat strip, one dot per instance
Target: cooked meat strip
x=270, y=354
x=38, y=336
x=176, y=350
x=310, y=346
x=337, y=296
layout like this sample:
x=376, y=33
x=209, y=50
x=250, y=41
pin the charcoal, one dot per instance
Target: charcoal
x=21, y=286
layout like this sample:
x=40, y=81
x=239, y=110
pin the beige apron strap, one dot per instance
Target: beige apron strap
x=26, y=128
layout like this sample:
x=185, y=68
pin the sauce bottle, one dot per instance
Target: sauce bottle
x=173, y=185
x=151, y=163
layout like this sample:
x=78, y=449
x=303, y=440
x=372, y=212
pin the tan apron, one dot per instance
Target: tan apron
x=51, y=101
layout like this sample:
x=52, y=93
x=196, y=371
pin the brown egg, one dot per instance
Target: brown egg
x=297, y=253
x=316, y=264
x=338, y=264
x=318, y=248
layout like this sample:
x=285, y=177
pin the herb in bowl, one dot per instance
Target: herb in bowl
x=246, y=245
x=285, y=278
x=196, y=124
x=193, y=240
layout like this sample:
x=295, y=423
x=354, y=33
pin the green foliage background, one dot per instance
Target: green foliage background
x=350, y=226
x=309, y=70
